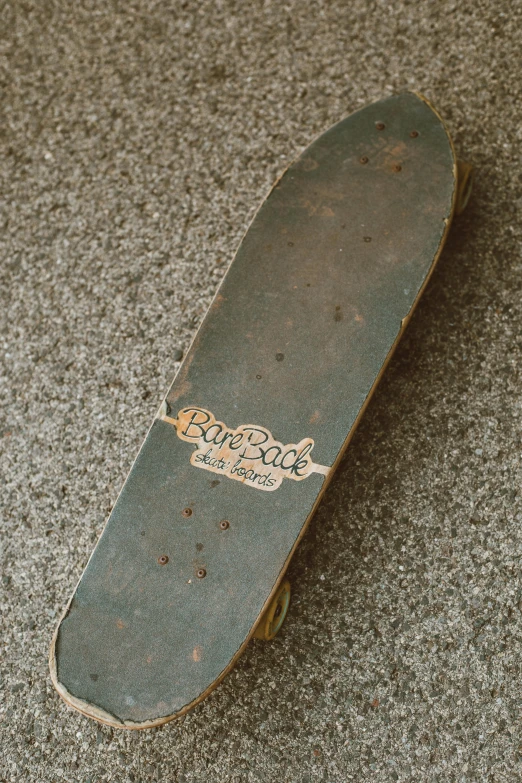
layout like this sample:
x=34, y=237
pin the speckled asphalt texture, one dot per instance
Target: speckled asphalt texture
x=137, y=140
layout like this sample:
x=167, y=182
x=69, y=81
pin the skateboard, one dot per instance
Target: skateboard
x=191, y=563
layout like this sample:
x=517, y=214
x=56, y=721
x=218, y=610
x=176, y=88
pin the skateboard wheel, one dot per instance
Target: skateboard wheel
x=464, y=185
x=274, y=617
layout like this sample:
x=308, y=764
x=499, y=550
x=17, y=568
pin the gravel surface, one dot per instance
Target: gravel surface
x=136, y=142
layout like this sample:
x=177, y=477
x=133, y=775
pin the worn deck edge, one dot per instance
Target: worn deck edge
x=102, y=716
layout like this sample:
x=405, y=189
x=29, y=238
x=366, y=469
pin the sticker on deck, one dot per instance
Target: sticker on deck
x=248, y=453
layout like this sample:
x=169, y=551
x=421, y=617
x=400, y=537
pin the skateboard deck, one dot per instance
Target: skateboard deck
x=321, y=288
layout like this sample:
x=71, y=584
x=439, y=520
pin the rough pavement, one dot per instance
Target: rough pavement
x=136, y=142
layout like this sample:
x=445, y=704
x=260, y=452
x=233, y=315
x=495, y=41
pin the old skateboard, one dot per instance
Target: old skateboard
x=191, y=563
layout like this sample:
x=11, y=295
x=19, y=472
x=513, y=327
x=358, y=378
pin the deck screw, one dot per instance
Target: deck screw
x=397, y=167
x=163, y=560
x=224, y=524
x=364, y=159
x=187, y=512
x=201, y=573
x=379, y=125
x=414, y=134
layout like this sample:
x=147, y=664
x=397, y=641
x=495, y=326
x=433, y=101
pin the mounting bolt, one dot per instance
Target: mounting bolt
x=397, y=167
x=201, y=573
x=187, y=512
x=163, y=560
x=379, y=125
x=414, y=134
x=224, y=524
x=363, y=159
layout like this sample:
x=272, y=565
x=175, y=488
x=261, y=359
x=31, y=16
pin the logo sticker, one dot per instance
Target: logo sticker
x=248, y=453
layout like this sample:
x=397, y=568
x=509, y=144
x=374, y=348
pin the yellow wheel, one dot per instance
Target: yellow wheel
x=464, y=185
x=274, y=617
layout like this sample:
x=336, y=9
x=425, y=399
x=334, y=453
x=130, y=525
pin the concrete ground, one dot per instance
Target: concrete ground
x=137, y=140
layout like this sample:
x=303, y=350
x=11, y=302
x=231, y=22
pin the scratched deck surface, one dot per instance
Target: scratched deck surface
x=262, y=407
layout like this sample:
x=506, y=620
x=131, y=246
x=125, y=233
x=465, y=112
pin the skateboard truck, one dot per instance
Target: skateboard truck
x=464, y=185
